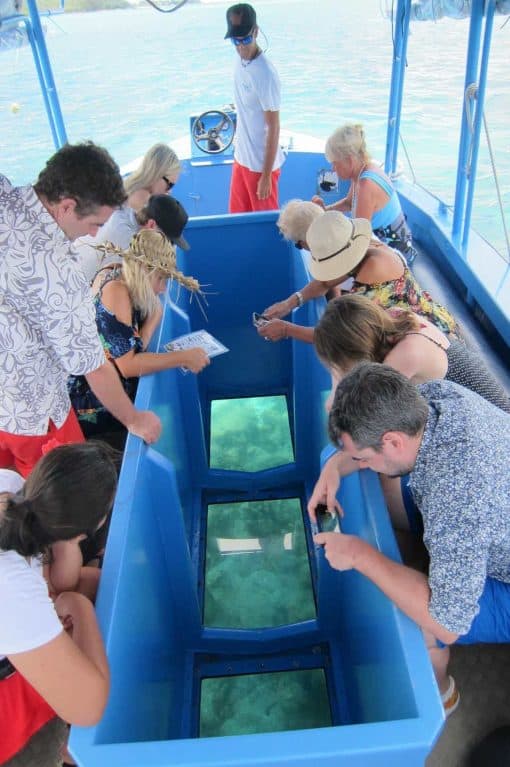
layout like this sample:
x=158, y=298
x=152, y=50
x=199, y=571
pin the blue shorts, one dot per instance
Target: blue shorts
x=492, y=624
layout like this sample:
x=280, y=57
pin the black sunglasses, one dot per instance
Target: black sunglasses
x=169, y=184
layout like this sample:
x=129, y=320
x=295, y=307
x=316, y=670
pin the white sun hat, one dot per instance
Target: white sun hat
x=337, y=244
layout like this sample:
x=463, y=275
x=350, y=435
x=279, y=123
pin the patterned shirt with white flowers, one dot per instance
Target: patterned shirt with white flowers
x=461, y=485
x=47, y=320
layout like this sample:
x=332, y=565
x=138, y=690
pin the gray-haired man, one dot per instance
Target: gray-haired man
x=454, y=445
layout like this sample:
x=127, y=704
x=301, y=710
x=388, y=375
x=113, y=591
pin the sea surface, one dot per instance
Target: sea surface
x=129, y=78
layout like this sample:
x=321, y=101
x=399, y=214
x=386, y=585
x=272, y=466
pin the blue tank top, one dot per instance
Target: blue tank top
x=389, y=213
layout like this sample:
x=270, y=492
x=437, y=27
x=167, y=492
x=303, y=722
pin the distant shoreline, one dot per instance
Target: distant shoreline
x=85, y=6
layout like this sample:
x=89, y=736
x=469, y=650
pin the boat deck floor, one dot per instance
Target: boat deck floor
x=486, y=343
x=482, y=675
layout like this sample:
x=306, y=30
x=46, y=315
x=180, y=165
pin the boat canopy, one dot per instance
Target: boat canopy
x=431, y=10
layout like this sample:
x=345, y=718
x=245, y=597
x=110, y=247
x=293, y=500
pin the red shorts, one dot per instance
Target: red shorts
x=22, y=451
x=22, y=713
x=243, y=191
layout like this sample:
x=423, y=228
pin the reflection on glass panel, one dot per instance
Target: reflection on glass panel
x=250, y=434
x=253, y=703
x=257, y=570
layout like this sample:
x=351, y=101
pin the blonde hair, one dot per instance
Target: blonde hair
x=149, y=251
x=354, y=329
x=159, y=161
x=296, y=217
x=347, y=141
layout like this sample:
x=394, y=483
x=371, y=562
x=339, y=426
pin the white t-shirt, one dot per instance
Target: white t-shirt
x=256, y=90
x=29, y=619
x=119, y=229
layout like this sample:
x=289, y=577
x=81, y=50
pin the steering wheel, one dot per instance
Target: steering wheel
x=216, y=139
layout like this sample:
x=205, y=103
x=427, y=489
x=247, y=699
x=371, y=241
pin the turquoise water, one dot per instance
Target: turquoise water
x=261, y=424
x=257, y=572
x=269, y=702
x=130, y=78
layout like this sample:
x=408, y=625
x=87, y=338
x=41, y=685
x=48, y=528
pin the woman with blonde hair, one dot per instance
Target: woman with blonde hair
x=371, y=194
x=128, y=310
x=354, y=329
x=157, y=174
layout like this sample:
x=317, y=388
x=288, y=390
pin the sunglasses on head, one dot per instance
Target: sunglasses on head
x=169, y=184
x=242, y=40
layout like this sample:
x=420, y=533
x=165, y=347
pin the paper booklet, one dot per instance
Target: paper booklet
x=211, y=346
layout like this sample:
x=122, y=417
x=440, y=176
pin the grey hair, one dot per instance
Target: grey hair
x=373, y=399
x=296, y=217
x=347, y=141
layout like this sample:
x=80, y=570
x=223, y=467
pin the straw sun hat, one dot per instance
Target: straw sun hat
x=337, y=244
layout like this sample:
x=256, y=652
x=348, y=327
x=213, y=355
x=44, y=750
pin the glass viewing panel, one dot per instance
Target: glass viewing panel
x=250, y=434
x=257, y=572
x=272, y=702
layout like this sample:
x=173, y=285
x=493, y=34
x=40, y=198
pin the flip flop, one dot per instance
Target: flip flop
x=450, y=698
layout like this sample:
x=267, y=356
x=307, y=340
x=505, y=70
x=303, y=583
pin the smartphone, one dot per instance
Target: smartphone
x=259, y=319
x=327, y=521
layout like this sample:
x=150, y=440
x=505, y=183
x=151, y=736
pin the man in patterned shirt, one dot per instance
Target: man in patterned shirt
x=455, y=446
x=47, y=320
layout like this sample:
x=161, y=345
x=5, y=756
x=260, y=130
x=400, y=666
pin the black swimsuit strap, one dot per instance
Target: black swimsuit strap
x=424, y=335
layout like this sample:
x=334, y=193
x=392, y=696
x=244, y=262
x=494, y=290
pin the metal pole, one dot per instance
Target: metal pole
x=480, y=101
x=46, y=80
x=475, y=30
x=40, y=75
x=401, y=22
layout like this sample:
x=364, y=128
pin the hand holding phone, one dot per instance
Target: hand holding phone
x=259, y=319
x=326, y=521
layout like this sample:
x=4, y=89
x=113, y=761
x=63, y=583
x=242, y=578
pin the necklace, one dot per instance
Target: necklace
x=355, y=191
x=248, y=62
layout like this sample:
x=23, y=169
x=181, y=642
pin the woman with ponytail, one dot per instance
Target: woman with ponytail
x=128, y=311
x=49, y=650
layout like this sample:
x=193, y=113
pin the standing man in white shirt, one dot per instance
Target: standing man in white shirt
x=258, y=155
x=47, y=319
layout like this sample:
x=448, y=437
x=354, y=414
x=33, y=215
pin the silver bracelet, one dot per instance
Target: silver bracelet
x=299, y=297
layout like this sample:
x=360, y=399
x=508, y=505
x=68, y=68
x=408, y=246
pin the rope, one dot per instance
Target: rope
x=496, y=183
x=167, y=10
x=407, y=156
x=470, y=96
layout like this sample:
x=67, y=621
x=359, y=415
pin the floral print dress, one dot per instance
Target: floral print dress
x=405, y=293
x=117, y=339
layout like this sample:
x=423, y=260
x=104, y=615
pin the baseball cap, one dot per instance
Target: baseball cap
x=241, y=19
x=170, y=217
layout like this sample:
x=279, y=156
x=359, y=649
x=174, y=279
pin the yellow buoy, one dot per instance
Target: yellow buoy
x=15, y=107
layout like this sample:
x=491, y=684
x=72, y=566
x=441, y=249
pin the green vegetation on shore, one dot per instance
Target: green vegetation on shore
x=83, y=5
